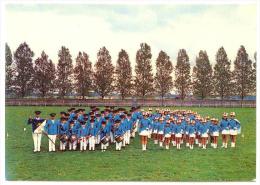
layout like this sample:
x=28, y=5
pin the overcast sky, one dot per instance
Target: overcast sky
x=164, y=27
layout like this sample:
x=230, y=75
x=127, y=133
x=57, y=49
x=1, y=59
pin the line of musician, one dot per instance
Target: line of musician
x=177, y=127
x=118, y=126
x=76, y=127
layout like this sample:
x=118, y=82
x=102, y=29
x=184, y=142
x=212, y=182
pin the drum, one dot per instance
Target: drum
x=104, y=140
x=119, y=139
x=64, y=138
x=73, y=138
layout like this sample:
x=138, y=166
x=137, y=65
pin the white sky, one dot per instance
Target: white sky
x=164, y=27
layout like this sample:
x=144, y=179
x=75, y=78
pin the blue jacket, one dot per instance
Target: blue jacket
x=224, y=124
x=63, y=128
x=214, y=128
x=52, y=127
x=82, y=132
x=72, y=131
x=197, y=125
x=119, y=131
x=234, y=124
x=172, y=125
x=191, y=129
x=178, y=129
x=35, y=122
x=104, y=132
x=92, y=130
x=144, y=124
x=155, y=125
x=167, y=129
x=204, y=128
x=160, y=126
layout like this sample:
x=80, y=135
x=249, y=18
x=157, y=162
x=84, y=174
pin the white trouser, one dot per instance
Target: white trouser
x=97, y=139
x=63, y=145
x=128, y=132
x=104, y=146
x=37, y=142
x=83, y=143
x=52, y=139
x=73, y=145
x=124, y=140
x=118, y=145
x=92, y=143
x=112, y=137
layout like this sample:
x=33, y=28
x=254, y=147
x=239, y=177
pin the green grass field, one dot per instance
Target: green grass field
x=130, y=164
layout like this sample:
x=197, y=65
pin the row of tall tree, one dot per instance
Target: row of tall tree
x=24, y=76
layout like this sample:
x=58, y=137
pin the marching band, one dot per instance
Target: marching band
x=77, y=129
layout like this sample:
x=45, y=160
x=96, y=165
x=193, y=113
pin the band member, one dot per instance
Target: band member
x=167, y=134
x=209, y=123
x=92, y=132
x=172, y=125
x=234, y=125
x=144, y=130
x=178, y=133
x=124, y=125
x=160, y=131
x=118, y=134
x=224, y=126
x=197, y=125
x=204, y=129
x=129, y=125
x=36, y=122
x=104, y=135
x=52, y=129
x=214, y=130
x=82, y=135
x=186, y=131
x=72, y=134
x=155, y=125
x=192, y=133
x=63, y=131
x=98, y=121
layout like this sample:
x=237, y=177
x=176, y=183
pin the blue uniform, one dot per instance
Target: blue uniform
x=144, y=124
x=52, y=127
x=82, y=132
x=204, y=128
x=214, y=128
x=104, y=132
x=234, y=124
x=72, y=131
x=155, y=126
x=172, y=126
x=167, y=129
x=92, y=130
x=119, y=131
x=63, y=128
x=178, y=129
x=224, y=124
x=191, y=129
x=160, y=127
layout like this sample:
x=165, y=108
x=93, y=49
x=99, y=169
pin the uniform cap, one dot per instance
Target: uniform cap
x=53, y=114
x=37, y=112
x=232, y=114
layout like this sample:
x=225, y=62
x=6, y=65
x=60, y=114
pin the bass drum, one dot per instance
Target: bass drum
x=64, y=138
x=119, y=139
x=73, y=138
x=104, y=140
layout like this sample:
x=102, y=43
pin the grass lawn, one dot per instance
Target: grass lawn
x=130, y=164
